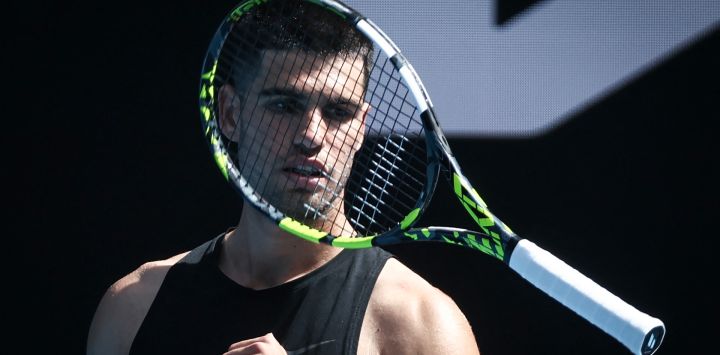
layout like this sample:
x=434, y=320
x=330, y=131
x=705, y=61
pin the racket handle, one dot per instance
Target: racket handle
x=639, y=332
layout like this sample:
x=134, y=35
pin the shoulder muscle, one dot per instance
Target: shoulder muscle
x=124, y=306
x=407, y=315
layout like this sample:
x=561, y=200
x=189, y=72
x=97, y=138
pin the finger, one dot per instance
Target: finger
x=269, y=338
x=266, y=344
x=256, y=348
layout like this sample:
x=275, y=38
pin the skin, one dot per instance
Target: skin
x=405, y=314
x=300, y=109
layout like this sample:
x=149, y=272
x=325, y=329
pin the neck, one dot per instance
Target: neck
x=258, y=254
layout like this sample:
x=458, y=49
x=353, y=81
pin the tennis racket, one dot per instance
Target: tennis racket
x=322, y=124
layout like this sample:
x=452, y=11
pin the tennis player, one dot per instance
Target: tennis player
x=254, y=289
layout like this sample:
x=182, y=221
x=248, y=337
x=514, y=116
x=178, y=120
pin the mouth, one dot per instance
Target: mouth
x=306, y=170
x=306, y=174
x=309, y=180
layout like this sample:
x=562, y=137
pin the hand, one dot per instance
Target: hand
x=264, y=345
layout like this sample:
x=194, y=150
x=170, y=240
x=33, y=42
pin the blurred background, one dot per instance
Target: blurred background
x=589, y=128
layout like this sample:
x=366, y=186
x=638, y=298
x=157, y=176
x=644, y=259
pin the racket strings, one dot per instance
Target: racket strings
x=334, y=161
x=376, y=188
x=344, y=143
x=236, y=41
x=378, y=185
x=327, y=193
x=395, y=162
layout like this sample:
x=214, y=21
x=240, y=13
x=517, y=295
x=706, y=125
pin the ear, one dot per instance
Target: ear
x=229, y=111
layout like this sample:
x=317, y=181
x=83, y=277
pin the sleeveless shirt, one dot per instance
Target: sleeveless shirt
x=199, y=310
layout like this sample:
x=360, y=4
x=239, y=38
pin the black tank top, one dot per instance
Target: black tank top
x=199, y=310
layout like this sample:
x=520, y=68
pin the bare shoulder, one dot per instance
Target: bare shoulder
x=408, y=315
x=124, y=306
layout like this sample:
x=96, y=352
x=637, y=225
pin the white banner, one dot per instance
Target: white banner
x=542, y=66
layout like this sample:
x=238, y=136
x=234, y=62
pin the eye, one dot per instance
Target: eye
x=340, y=112
x=283, y=105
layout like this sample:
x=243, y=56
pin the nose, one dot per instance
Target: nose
x=311, y=132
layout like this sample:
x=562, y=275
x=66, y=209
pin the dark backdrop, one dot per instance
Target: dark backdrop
x=112, y=170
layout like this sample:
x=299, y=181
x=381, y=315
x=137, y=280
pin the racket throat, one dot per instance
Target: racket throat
x=438, y=143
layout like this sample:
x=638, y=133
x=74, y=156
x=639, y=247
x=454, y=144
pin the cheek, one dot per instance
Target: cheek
x=357, y=134
x=347, y=138
x=278, y=133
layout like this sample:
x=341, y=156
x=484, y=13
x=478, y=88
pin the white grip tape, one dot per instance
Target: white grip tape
x=585, y=297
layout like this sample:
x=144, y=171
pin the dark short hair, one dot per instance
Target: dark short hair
x=286, y=25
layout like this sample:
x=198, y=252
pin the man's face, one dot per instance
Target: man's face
x=302, y=121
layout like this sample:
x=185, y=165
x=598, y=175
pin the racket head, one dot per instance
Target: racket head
x=317, y=120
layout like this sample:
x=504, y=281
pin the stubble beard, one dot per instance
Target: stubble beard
x=315, y=208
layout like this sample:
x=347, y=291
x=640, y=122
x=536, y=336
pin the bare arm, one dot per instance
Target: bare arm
x=123, y=308
x=407, y=315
